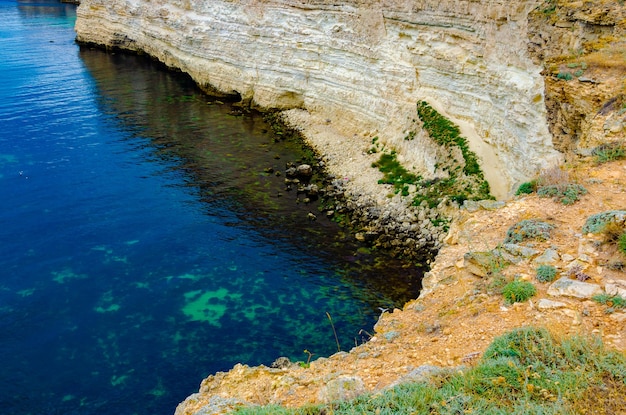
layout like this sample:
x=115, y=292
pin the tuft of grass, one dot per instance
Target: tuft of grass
x=565, y=76
x=555, y=182
x=546, y=273
x=525, y=371
x=614, y=301
x=528, y=229
x=518, y=291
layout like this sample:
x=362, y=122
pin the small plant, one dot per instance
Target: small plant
x=528, y=229
x=577, y=272
x=393, y=172
x=566, y=76
x=308, y=360
x=518, y=291
x=410, y=136
x=546, y=273
x=527, y=188
x=596, y=223
x=613, y=301
x=334, y=331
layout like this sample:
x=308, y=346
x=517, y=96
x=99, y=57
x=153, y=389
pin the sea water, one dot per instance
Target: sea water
x=147, y=237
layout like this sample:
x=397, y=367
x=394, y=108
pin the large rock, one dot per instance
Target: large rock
x=573, y=288
x=342, y=388
x=360, y=65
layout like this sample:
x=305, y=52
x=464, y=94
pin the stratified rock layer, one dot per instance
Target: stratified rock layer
x=362, y=65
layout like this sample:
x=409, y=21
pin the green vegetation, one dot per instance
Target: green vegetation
x=444, y=132
x=566, y=194
x=306, y=364
x=613, y=301
x=610, y=152
x=566, y=76
x=527, y=188
x=518, y=291
x=526, y=371
x=394, y=173
x=548, y=8
x=463, y=184
x=596, y=223
x=546, y=273
x=528, y=229
x=554, y=183
x=621, y=243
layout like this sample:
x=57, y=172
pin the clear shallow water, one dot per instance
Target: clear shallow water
x=144, y=243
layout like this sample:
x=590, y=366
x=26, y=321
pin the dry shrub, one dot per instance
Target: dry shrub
x=612, y=232
x=553, y=176
x=607, y=398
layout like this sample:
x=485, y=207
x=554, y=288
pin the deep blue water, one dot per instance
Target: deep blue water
x=144, y=242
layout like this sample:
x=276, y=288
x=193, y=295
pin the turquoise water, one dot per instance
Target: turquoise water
x=146, y=240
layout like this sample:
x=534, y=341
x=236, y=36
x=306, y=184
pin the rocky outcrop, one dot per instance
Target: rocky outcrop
x=581, y=46
x=360, y=64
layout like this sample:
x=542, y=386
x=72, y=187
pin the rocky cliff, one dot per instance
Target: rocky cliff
x=361, y=65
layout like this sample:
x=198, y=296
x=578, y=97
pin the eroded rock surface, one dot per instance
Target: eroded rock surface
x=359, y=65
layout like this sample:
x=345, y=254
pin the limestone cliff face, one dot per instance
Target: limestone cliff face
x=360, y=64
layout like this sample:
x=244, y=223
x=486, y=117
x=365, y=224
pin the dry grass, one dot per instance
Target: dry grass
x=611, y=57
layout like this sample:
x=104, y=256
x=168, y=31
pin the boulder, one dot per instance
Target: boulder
x=341, y=389
x=573, y=288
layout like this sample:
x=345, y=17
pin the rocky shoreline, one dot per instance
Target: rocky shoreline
x=461, y=309
x=375, y=213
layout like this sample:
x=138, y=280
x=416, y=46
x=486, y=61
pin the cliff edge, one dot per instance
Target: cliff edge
x=361, y=66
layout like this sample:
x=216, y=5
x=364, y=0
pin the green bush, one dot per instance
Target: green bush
x=528, y=229
x=518, y=291
x=393, y=172
x=566, y=194
x=546, y=273
x=596, y=223
x=527, y=188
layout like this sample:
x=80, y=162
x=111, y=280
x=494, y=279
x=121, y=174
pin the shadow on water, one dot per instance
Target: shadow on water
x=234, y=159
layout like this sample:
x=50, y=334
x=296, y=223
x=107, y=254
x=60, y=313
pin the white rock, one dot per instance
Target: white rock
x=573, y=288
x=616, y=288
x=545, y=304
